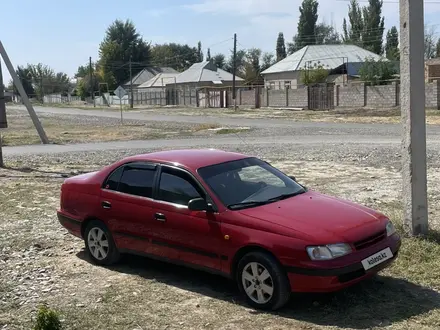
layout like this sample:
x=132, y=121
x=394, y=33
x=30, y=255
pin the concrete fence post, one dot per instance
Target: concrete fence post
x=337, y=91
x=396, y=92
x=437, y=89
x=365, y=94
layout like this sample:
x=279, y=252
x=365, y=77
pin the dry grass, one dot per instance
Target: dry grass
x=41, y=263
x=71, y=129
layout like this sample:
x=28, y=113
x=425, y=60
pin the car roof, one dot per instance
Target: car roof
x=189, y=158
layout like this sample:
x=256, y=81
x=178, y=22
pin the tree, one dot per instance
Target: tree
x=437, y=48
x=366, y=26
x=353, y=31
x=374, y=22
x=326, y=34
x=267, y=60
x=281, y=47
x=307, y=24
x=39, y=80
x=179, y=57
x=377, y=72
x=430, y=42
x=252, y=69
x=314, y=75
x=199, y=52
x=239, y=63
x=25, y=76
x=219, y=61
x=84, y=70
x=84, y=84
x=121, y=44
x=208, y=55
x=392, y=44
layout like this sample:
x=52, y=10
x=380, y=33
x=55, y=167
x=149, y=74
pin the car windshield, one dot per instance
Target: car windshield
x=248, y=183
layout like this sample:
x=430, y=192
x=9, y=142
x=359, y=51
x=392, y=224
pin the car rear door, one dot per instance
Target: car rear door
x=126, y=205
x=194, y=236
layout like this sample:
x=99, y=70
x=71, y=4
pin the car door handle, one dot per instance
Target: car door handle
x=106, y=205
x=160, y=217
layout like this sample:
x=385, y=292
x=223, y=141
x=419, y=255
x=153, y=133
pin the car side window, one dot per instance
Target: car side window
x=114, y=178
x=177, y=187
x=137, y=181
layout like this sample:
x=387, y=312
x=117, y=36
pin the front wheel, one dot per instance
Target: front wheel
x=262, y=280
x=100, y=245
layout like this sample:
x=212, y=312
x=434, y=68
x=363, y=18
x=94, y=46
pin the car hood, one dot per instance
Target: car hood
x=320, y=217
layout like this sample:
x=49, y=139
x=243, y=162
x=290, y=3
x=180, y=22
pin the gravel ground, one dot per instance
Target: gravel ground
x=40, y=262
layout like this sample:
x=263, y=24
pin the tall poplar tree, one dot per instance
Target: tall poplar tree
x=281, y=47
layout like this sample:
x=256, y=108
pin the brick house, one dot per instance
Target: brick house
x=342, y=62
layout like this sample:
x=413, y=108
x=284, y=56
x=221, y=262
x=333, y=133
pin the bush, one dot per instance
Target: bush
x=314, y=74
x=47, y=319
x=377, y=72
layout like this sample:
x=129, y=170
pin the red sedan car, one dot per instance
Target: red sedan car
x=230, y=214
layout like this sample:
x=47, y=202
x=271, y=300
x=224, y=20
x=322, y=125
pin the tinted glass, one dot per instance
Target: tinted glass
x=177, y=187
x=136, y=181
x=256, y=173
x=247, y=180
x=113, y=180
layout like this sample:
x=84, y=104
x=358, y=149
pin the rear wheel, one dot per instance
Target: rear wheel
x=262, y=280
x=100, y=245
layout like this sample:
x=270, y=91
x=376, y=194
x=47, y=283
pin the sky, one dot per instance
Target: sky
x=64, y=34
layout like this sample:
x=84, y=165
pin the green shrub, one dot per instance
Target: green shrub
x=47, y=319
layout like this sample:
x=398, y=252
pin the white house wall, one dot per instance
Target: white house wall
x=280, y=80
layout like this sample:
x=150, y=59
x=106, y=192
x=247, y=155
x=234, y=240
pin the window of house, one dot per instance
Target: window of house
x=272, y=85
x=177, y=187
x=137, y=181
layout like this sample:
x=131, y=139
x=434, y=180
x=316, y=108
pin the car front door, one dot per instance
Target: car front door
x=126, y=205
x=195, y=236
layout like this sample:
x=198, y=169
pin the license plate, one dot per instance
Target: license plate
x=377, y=258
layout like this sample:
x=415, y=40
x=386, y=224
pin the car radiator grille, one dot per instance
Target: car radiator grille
x=371, y=240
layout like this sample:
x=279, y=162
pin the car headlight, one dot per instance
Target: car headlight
x=328, y=252
x=390, y=228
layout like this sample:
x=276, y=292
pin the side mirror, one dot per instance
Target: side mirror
x=292, y=177
x=199, y=204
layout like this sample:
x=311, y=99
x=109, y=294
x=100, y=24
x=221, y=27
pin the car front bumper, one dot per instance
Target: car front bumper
x=318, y=279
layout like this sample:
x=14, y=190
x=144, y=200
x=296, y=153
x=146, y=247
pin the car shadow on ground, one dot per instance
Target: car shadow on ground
x=380, y=301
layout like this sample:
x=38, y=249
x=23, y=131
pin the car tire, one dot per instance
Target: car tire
x=100, y=246
x=273, y=286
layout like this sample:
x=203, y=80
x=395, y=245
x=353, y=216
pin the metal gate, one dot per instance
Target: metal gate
x=321, y=96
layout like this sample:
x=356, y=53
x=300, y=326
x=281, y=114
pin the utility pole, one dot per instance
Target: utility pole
x=234, y=72
x=131, y=85
x=41, y=89
x=3, y=121
x=412, y=91
x=24, y=97
x=92, y=92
